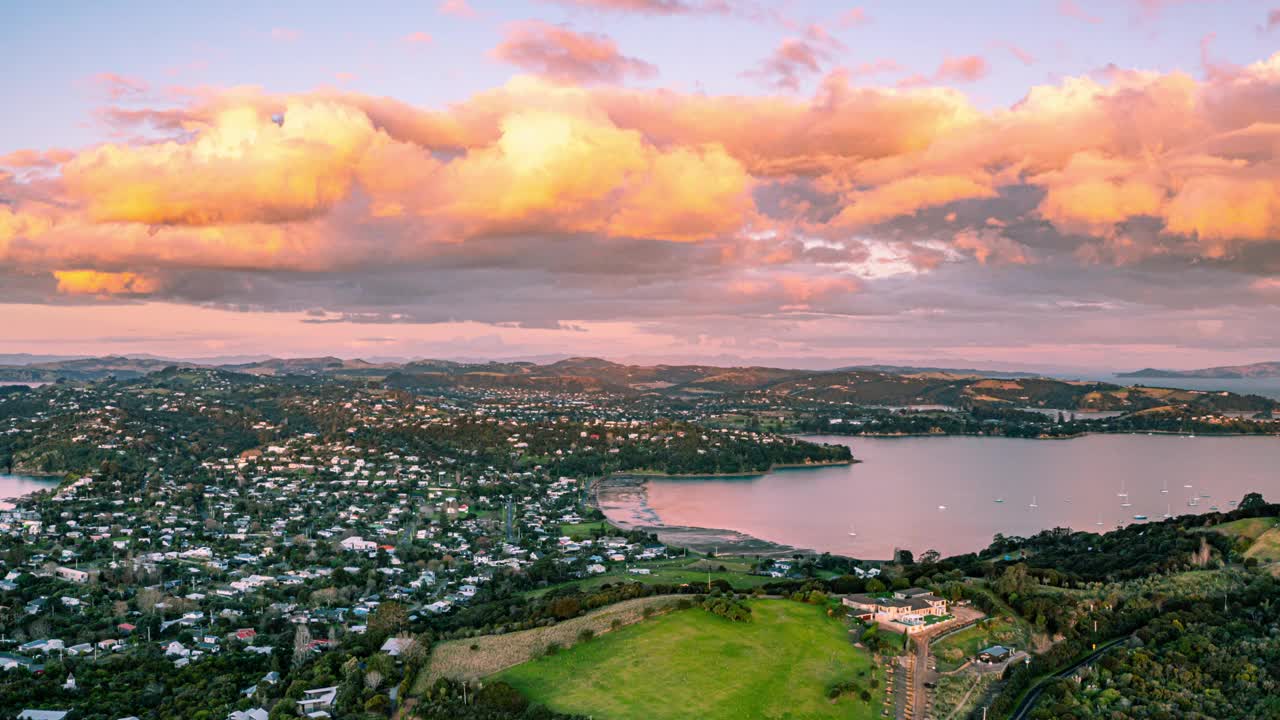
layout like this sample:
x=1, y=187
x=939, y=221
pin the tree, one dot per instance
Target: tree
x=389, y=618
x=301, y=644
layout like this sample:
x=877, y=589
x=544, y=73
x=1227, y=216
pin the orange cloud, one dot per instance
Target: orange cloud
x=568, y=56
x=242, y=168
x=91, y=282
x=331, y=180
x=35, y=158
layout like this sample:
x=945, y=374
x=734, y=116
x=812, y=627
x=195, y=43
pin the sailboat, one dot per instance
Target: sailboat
x=1165, y=490
x=1099, y=523
x=1033, y=502
x=999, y=500
x=1122, y=493
x=852, y=532
x=1167, y=513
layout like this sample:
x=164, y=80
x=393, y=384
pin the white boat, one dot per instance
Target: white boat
x=1193, y=502
x=999, y=500
x=1167, y=514
x=1187, y=486
x=1099, y=523
x=1033, y=502
x=852, y=532
x=1165, y=490
x=1214, y=508
x=1126, y=503
x=942, y=507
x=1122, y=493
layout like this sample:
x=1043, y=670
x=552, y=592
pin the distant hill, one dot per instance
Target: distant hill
x=957, y=372
x=903, y=386
x=1226, y=372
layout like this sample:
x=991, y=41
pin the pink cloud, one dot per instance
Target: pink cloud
x=968, y=68
x=567, y=56
x=1069, y=8
x=651, y=7
x=418, y=38
x=797, y=57
x=1273, y=19
x=119, y=87
x=1022, y=55
x=457, y=8
x=854, y=17
x=285, y=34
x=35, y=158
x=962, y=69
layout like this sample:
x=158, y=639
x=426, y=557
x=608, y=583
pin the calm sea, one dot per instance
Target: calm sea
x=13, y=486
x=940, y=493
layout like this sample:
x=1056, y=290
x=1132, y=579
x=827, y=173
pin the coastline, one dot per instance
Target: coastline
x=645, y=474
x=891, y=436
x=627, y=495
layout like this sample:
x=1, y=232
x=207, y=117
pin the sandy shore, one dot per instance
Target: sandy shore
x=625, y=502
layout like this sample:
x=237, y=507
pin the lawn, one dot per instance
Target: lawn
x=953, y=650
x=691, y=663
x=585, y=530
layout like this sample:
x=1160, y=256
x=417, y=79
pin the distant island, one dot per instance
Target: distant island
x=1226, y=372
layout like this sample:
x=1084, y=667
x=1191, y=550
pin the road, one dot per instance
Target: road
x=1029, y=701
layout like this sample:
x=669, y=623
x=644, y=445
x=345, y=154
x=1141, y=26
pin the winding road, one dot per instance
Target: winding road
x=1033, y=696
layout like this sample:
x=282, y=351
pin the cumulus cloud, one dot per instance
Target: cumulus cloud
x=567, y=56
x=602, y=203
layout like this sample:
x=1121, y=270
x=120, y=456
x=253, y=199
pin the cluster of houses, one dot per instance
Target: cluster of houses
x=264, y=528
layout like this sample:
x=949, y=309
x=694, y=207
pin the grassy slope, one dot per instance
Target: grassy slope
x=694, y=664
x=1266, y=548
x=1262, y=534
x=457, y=659
x=1249, y=528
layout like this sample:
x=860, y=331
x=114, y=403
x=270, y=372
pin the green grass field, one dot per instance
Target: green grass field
x=583, y=531
x=694, y=664
x=1249, y=528
x=953, y=650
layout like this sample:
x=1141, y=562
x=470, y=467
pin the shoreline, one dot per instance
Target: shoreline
x=628, y=494
x=1087, y=433
x=645, y=475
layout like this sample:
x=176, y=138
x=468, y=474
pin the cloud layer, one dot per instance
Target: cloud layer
x=564, y=197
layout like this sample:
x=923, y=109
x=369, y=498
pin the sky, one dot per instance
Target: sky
x=1056, y=183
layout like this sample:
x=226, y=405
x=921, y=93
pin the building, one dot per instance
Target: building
x=80, y=577
x=995, y=654
x=317, y=699
x=907, y=607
